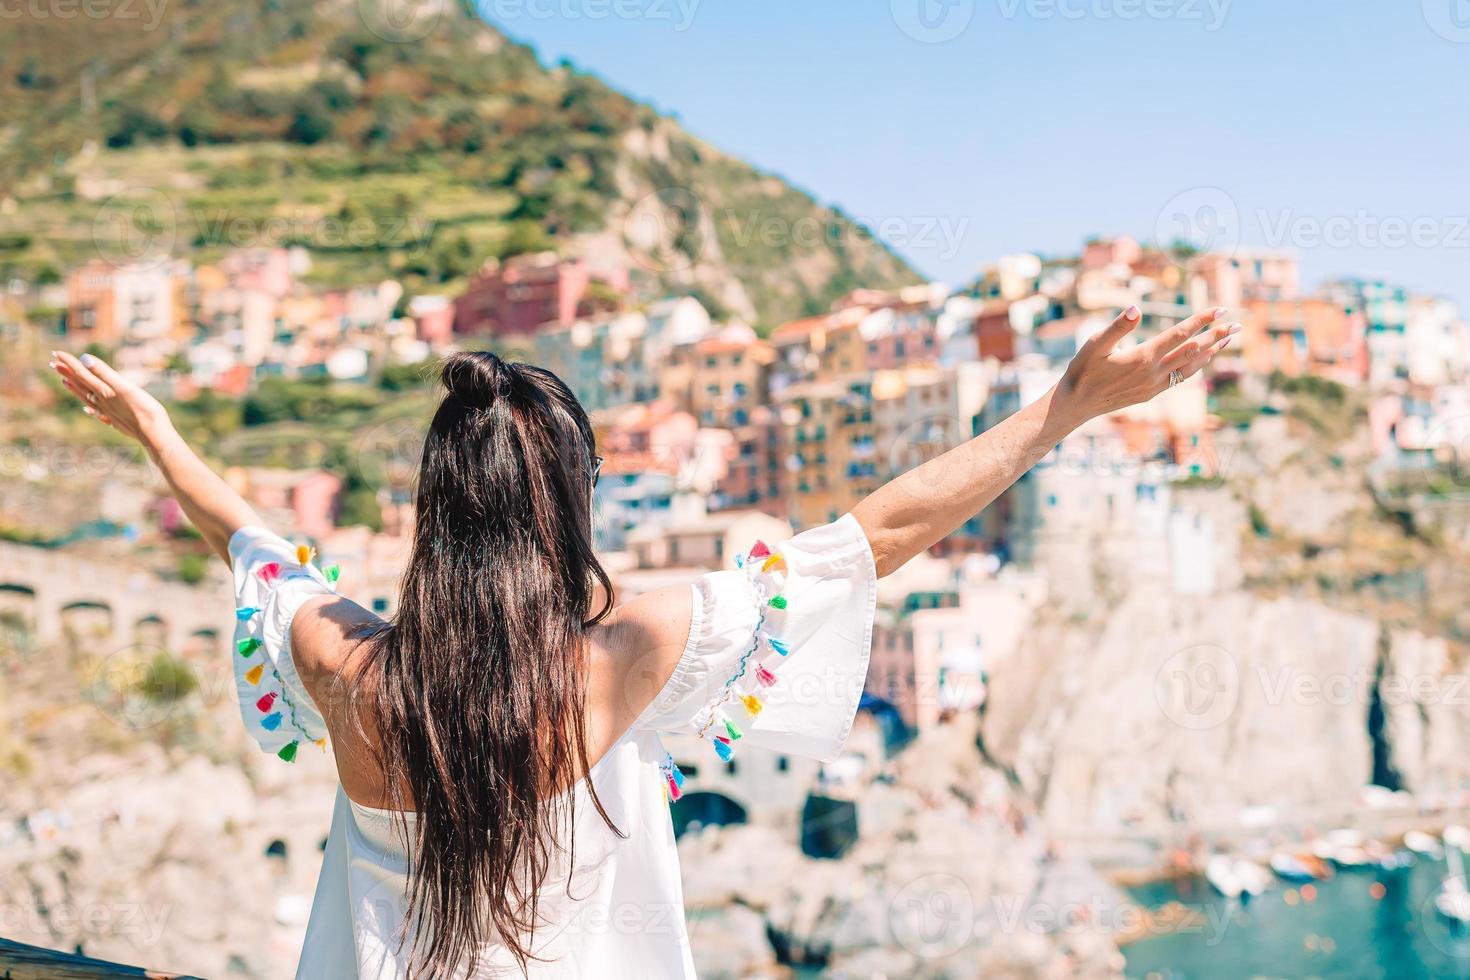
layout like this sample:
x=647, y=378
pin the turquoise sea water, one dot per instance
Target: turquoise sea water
x=1344, y=932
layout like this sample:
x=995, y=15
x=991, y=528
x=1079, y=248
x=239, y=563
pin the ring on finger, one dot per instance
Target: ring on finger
x=1175, y=379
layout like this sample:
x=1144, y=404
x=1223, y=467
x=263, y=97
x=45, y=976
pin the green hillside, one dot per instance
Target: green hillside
x=414, y=152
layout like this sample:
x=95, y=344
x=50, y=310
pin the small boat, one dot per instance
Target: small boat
x=1353, y=858
x=1236, y=877
x=1299, y=867
x=1453, y=903
x=1425, y=845
x=1255, y=878
x=1398, y=860
x=1453, y=900
x=1289, y=867
x=1220, y=873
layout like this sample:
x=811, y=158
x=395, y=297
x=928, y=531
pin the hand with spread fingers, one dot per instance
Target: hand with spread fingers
x=211, y=503
x=1103, y=378
x=919, y=508
x=109, y=397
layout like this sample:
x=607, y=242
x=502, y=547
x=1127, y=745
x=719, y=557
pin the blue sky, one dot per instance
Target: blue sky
x=973, y=128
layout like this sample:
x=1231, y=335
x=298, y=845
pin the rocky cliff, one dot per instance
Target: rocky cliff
x=949, y=879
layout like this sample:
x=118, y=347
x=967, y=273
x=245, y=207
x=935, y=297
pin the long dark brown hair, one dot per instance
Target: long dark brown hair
x=480, y=677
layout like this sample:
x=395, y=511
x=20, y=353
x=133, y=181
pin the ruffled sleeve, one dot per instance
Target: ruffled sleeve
x=272, y=579
x=778, y=647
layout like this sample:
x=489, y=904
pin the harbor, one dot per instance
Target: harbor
x=1343, y=906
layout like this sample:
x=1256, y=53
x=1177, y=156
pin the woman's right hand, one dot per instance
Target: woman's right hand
x=110, y=398
x=1103, y=379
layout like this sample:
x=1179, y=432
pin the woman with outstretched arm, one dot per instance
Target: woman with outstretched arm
x=504, y=790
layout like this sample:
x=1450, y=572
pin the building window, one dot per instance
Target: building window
x=782, y=763
x=380, y=605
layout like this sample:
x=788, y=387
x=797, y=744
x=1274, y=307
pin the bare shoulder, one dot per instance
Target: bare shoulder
x=636, y=648
x=325, y=632
x=327, y=638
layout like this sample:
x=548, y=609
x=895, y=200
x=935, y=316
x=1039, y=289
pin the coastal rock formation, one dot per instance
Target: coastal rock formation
x=152, y=837
x=947, y=880
x=1192, y=712
x=1186, y=711
x=1423, y=696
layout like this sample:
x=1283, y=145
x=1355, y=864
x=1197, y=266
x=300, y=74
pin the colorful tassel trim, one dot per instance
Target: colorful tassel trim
x=264, y=704
x=779, y=602
x=321, y=743
x=245, y=612
x=269, y=572
x=752, y=704
x=271, y=721
x=759, y=551
x=780, y=646
x=304, y=554
x=288, y=754
x=775, y=563
x=253, y=674
x=764, y=677
x=673, y=779
x=248, y=645
x=722, y=748
x=333, y=573
x=739, y=561
x=732, y=731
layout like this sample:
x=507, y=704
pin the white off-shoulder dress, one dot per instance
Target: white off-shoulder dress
x=776, y=657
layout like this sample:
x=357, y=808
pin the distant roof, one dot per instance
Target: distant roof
x=623, y=463
x=717, y=523
x=801, y=328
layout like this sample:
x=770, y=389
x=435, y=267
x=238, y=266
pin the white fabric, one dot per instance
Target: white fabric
x=619, y=913
x=277, y=599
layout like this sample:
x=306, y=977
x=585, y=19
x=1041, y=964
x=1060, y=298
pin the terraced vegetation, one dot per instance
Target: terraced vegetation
x=233, y=124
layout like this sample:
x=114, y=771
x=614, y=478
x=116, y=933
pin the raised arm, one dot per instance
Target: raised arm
x=216, y=510
x=918, y=509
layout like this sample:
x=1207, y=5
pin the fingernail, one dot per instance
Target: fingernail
x=88, y=360
x=1131, y=313
x=1221, y=312
x=1234, y=329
